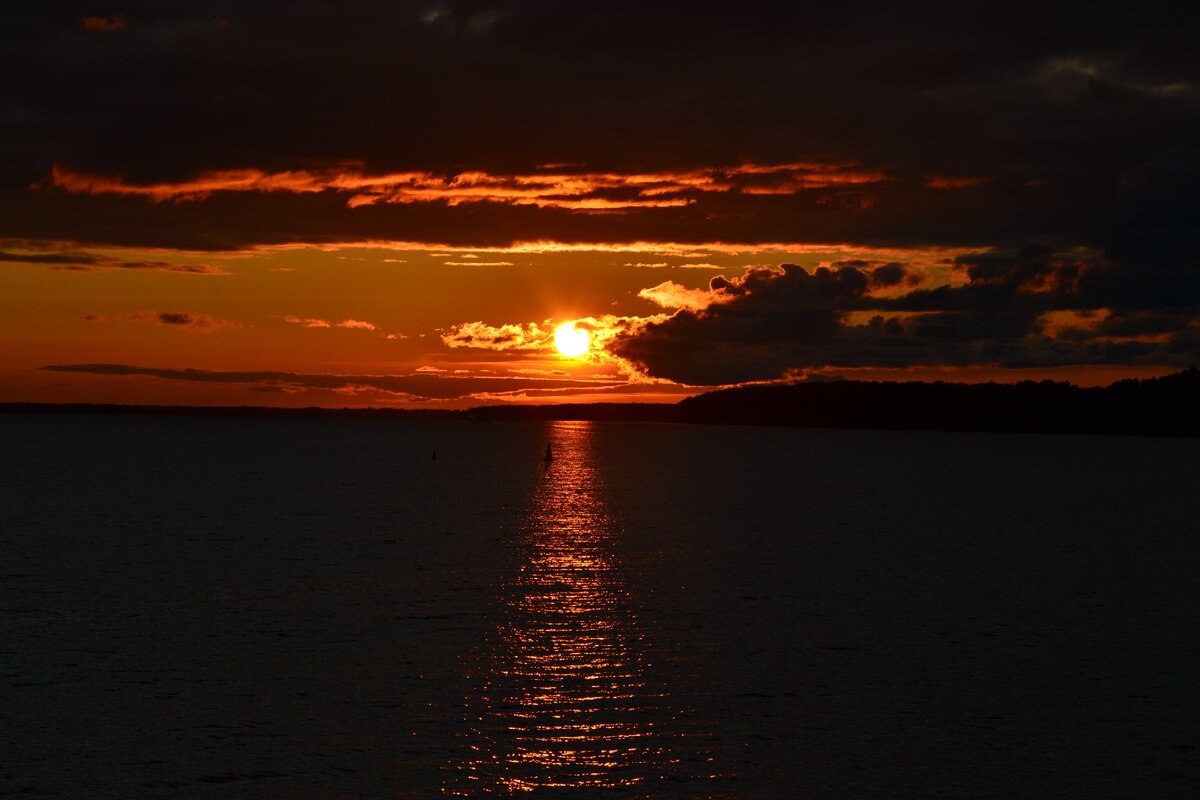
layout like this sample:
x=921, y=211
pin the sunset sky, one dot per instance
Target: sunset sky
x=397, y=203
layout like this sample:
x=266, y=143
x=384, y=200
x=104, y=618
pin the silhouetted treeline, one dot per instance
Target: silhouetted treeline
x=1158, y=406
x=1163, y=406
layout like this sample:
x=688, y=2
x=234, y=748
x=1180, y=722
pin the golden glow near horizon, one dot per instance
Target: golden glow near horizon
x=571, y=341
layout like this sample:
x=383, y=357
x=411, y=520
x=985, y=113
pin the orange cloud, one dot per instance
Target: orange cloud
x=308, y=322
x=669, y=294
x=582, y=191
x=530, y=336
x=316, y=322
x=357, y=323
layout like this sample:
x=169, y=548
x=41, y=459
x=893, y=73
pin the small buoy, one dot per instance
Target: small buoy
x=549, y=454
x=435, y=455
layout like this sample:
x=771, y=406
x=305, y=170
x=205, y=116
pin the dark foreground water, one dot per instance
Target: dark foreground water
x=294, y=608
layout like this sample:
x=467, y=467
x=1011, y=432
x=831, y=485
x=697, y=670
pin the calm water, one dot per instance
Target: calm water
x=291, y=608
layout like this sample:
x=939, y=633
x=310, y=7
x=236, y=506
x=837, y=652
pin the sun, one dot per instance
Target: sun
x=571, y=341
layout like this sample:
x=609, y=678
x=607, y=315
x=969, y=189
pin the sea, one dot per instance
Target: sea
x=307, y=609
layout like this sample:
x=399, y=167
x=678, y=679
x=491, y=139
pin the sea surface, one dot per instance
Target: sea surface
x=290, y=608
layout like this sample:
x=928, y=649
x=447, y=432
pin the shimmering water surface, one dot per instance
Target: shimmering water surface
x=295, y=608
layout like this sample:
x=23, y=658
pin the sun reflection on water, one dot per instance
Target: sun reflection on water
x=565, y=708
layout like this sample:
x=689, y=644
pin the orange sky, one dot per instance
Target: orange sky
x=356, y=326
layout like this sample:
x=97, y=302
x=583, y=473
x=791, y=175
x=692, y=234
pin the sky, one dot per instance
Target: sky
x=398, y=203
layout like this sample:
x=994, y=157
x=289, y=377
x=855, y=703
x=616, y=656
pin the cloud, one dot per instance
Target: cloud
x=172, y=319
x=669, y=294
x=535, y=371
x=185, y=319
x=416, y=385
x=578, y=191
x=530, y=336
x=179, y=318
x=357, y=323
x=86, y=262
x=317, y=322
x=308, y=322
x=1026, y=309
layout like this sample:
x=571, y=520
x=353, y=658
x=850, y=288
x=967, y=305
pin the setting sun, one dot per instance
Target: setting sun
x=571, y=341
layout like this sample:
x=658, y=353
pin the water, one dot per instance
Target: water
x=296, y=608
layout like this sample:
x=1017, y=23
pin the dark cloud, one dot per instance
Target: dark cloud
x=775, y=322
x=423, y=385
x=181, y=318
x=56, y=259
x=86, y=262
x=886, y=275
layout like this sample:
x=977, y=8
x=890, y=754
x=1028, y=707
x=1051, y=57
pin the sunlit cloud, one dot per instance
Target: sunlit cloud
x=669, y=294
x=317, y=322
x=535, y=371
x=530, y=336
x=308, y=322
x=661, y=249
x=578, y=191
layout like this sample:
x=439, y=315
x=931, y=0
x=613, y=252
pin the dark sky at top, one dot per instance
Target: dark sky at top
x=1102, y=107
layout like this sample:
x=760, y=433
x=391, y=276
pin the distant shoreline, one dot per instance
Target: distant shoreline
x=1166, y=406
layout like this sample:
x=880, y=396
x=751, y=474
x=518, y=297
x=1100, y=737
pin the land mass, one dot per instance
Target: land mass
x=1166, y=406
